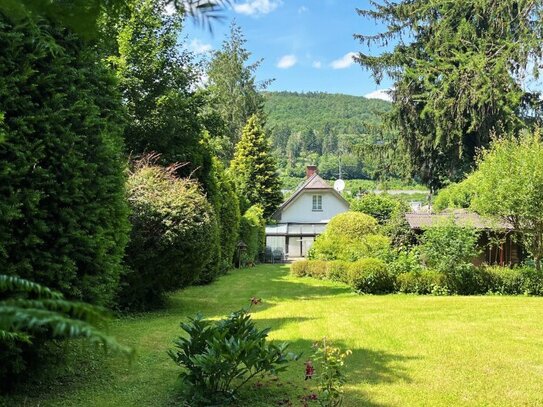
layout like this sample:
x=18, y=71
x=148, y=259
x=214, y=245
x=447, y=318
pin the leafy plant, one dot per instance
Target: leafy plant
x=370, y=276
x=330, y=366
x=219, y=357
x=29, y=310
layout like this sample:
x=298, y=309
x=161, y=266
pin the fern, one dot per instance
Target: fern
x=27, y=308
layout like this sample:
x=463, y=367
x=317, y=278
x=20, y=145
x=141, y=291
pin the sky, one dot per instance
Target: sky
x=306, y=45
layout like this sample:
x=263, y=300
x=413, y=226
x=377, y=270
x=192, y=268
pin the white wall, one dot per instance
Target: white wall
x=301, y=209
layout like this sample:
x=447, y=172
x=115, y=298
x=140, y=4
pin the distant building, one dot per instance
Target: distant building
x=303, y=216
x=497, y=242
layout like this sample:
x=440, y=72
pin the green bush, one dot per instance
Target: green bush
x=219, y=357
x=63, y=213
x=299, y=268
x=173, y=235
x=337, y=270
x=370, y=276
x=382, y=207
x=327, y=247
x=421, y=282
x=252, y=232
x=514, y=281
x=351, y=225
x=316, y=269
x=405, y=261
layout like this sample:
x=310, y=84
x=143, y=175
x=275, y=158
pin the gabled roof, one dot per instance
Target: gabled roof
x=462, y=217
x=313, y=183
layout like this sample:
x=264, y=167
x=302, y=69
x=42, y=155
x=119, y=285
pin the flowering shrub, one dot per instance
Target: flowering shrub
x=330, y=365
x=219, y=357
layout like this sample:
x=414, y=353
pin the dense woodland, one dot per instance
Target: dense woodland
x=329, y=130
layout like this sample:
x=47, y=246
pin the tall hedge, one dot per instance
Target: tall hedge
x=252, y=232
x=173, y=237
x=63, y=214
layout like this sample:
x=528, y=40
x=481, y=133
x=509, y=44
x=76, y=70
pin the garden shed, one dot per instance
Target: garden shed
x=498, y=241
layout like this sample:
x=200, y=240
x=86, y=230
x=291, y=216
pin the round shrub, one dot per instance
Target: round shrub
x=351, y=225
x=63, y=214
x=316, y=269
x=380, y=206
x=421, y=282
x=337, y=270
x=370, y=276
x=299, y=268
x=173, y=235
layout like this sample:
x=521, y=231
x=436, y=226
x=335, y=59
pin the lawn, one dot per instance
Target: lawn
x=407, y=350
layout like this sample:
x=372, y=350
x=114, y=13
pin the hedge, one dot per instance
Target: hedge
x=252, y=232
x=63, y=214
x=370, y=276
x=174, y=233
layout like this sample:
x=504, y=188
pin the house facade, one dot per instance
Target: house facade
x=303, y=216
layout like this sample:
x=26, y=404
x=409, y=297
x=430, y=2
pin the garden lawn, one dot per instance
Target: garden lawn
x=407, y=350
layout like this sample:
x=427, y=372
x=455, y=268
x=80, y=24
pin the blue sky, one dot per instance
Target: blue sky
x=306, y=44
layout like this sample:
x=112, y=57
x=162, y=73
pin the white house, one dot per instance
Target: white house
x=303, y=216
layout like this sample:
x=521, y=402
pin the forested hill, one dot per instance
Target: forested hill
x=345, y=113
x=322, y=129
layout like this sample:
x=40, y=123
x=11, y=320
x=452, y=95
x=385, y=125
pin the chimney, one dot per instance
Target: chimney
x=310, y=170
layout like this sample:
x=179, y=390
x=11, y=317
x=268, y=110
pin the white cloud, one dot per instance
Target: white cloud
x=199, y=46
x=302, y=9
x=344, y=62
x=383, y=94
x=287, y=61
x=256, y=7
x=317, y=64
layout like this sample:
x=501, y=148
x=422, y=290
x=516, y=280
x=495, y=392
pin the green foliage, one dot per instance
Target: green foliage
x=455, y=195
x=219, y=357
x=508, y=185
x=299, y=268
x=63, y=215
x=233, y=93
x=173, y=232
x=449, y=249
x=514, y=281
x=252, y=232
x=225, y=202
x=422, y=282
x=370, y=276
x=351, y=225
x=337, y=270
x=380, y=206
x=327, y=247
x=157, y=77
x=254, y=170
x=458, y=76
x=330, y=366
x=30, y=311
x=405, y=261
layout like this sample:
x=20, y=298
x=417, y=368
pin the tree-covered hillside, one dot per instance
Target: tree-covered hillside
x=320, y=128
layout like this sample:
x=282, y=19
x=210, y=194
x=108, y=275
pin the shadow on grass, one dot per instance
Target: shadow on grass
x=364, y=367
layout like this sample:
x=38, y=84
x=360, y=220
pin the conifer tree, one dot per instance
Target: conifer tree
x=254, y=169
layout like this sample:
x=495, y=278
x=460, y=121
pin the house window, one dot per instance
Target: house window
x=317, y=203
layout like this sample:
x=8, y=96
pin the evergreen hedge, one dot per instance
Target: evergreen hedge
x=252, y=232
x=174, y=234
x=63, y=214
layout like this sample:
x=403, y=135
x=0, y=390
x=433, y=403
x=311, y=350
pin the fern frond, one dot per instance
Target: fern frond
x=17, y=284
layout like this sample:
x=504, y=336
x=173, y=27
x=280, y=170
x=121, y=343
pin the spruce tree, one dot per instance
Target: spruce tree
x=254, y=169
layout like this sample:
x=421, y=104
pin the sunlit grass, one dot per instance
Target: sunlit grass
x=407, y=350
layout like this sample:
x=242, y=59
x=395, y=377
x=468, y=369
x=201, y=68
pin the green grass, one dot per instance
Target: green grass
x=407, y=350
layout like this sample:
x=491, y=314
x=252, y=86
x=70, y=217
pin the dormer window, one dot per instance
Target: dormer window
x=317, y=203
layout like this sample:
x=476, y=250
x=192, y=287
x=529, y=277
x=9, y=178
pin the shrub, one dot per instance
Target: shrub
x=173, y=234
x=449, y=249
x=382, y=207
x=63, y=214
x=533, y=280
x=330, y=373
x=299, y=268
x=327, y=247
x=514, y=281
x=351, y=225
x=370, y=276
x=316, y=269
x=338, y=271
x=252, y=232
x=405, y=261
x=421, y=282
x=219, y=357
